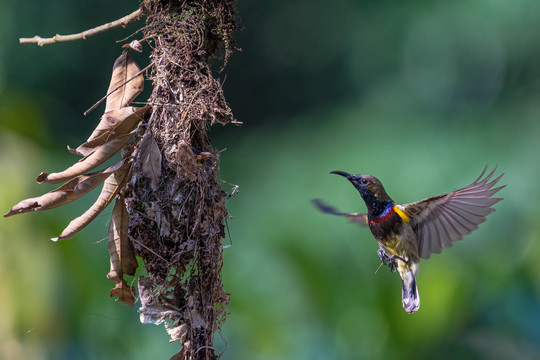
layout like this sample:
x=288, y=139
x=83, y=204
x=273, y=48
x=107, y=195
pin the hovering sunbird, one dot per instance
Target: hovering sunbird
x=405, y=233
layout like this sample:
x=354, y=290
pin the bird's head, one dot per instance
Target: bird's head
x=368, y=186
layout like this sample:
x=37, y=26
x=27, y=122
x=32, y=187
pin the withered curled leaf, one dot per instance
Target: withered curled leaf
x=124, y=292
x=115, y=122
x=151, y=159
x=113, y=184
x=187, y=164
x=124, y=69
x=151, y=310
x=134, y=45
x=121, y=252
x=73, y=189
x=90, y=147
x=96, y=158
x=176, y=332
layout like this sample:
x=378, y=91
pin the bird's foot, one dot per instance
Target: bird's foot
x=383, y=256
x=392, y=262
x=389, y=260
x=386, y=260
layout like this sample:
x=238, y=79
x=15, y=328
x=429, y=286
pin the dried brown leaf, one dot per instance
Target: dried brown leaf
x=178, y=356
x=124, y=292
x=73, y=189
x=116, y=122
x=89, y=147
x=187, y=164
x=113, y=184
x=124, y=69
x=134, y=45
x=96, y=158
x=121, y=250
x=151, y=159
x=176, y=332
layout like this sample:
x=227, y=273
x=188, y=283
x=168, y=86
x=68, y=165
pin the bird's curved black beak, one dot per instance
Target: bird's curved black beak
x=342, y=173
x=353, y=179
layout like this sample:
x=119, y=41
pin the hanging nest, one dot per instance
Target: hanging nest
x=175, y=200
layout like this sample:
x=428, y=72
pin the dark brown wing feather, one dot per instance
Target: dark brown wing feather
x=353, y=217
x=440, y=220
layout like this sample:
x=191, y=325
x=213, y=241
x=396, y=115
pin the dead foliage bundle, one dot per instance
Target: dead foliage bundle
x=176, y=203
x=111, y=134
x=170, y=207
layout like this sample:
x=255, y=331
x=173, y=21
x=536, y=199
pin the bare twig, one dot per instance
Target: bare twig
x=126, y=20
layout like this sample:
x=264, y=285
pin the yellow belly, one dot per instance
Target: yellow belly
x=403, y=245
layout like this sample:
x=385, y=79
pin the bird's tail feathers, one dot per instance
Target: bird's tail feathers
x=410, y=297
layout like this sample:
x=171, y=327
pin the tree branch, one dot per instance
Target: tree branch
x=126, y=20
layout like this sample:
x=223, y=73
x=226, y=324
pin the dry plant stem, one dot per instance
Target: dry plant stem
x=126, y=20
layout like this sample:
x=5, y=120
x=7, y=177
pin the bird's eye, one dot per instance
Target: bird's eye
x=364, y=181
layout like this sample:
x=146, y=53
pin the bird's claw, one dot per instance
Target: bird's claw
x=383, y=256
x=389, y=260
x=385, y=259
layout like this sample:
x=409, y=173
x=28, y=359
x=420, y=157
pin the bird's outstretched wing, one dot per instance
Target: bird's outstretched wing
x=353, y=217
x=440, y=220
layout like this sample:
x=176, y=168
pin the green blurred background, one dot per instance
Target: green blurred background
x=422, y=94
